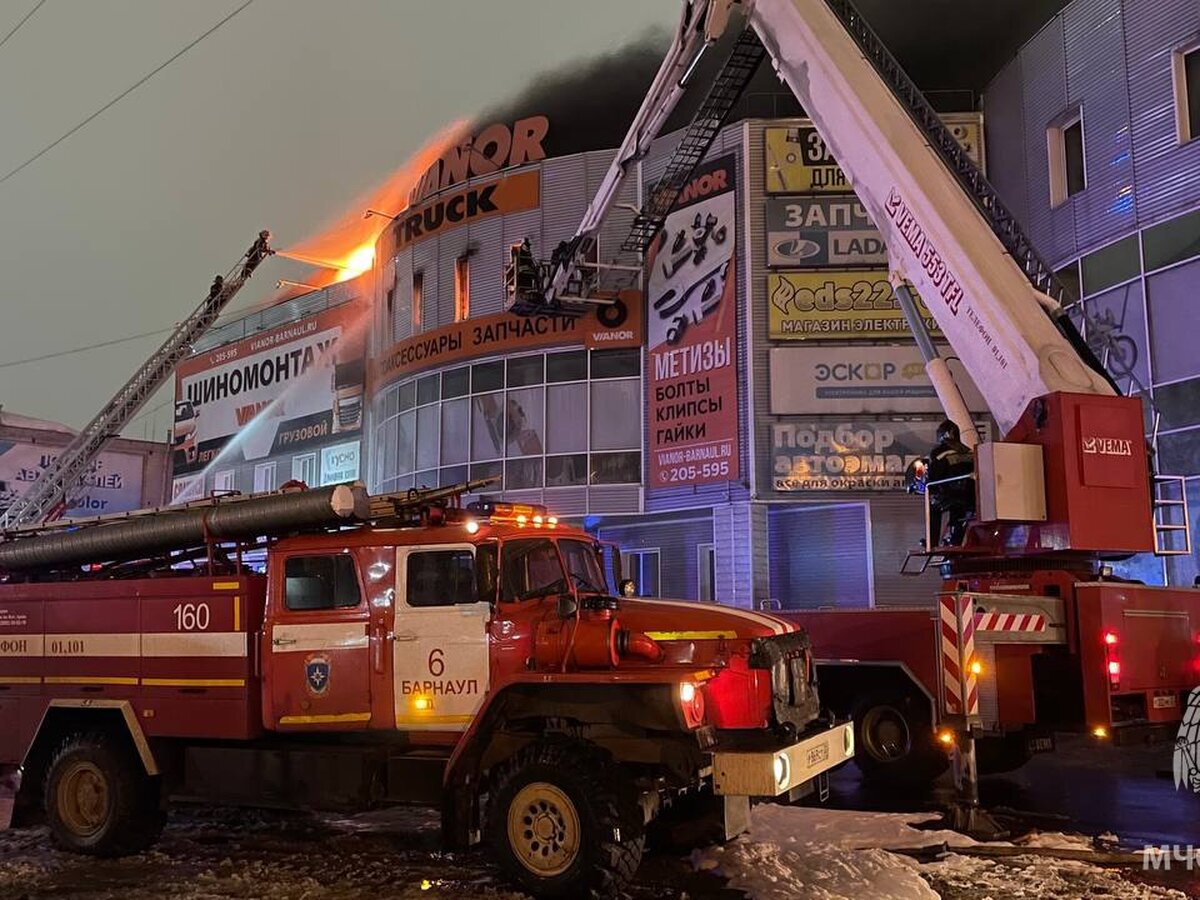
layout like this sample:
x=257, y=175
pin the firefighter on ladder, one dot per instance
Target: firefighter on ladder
x=951, y=458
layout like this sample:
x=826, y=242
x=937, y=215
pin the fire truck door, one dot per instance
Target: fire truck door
x=317, y=646
x=441, y=649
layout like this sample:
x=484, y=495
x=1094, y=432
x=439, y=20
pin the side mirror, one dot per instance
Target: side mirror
x=627, y=588
x=567, y=606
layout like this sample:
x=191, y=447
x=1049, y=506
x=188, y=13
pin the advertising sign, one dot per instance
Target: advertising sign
x=833, y=304
x=839, y=380
x=603, y=327
x=692, y=311
x=112, y=484
x=799, y=162
x=296, y=387
x=810, y=232
x=831, y=454
x=470, y=204
x=340, y=463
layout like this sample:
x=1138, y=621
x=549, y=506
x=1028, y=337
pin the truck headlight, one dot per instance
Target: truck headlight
x=783, y=771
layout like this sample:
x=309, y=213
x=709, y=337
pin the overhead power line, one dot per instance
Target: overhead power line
x=121, y=96
x=124, y=340
x=17, y=27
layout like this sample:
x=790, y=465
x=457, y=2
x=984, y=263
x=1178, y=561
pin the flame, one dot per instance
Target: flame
x=346, y=248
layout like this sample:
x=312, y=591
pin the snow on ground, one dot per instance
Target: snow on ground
x=822, y=854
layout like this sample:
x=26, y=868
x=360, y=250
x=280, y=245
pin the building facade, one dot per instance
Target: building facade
x=1092, y=142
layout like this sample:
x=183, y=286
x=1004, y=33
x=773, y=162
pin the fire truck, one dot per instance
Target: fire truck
x=393, y=649
x=1030, y=631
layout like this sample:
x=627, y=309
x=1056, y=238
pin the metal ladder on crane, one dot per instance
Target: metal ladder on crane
x=1169, y=496
x=47, y=497
x=744, y=59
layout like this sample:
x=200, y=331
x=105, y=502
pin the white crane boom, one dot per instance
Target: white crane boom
x=963, y=252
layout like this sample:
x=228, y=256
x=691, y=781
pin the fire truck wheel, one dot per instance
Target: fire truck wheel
x=99, y=800
x=564, y=821
x=893, y=740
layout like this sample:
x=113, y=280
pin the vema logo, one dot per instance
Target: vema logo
x=1099, y=446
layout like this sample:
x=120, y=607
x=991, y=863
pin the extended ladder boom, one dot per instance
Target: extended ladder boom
x=47, y=496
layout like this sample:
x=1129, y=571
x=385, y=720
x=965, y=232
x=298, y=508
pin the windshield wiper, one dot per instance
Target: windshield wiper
x=584, y=585
x=556, y=587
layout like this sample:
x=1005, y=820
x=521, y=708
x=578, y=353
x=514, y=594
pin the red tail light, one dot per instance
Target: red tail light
x=691, y=701
x=1112, y=659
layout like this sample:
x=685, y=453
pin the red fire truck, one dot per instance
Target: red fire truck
x=1030, y=631
x=393, y=650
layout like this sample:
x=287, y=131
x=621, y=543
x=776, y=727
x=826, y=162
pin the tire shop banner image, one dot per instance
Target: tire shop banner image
x=606, y=327
x=692, y=320
x=821, y=231
x=113, y=482
x=832, y=454
x=799, y=162
x=840, y=380
x=838, y=305
x=295, y=387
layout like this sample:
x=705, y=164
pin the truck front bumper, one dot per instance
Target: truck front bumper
x=771, y=772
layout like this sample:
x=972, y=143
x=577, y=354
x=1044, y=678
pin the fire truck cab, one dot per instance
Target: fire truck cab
x=476, y=659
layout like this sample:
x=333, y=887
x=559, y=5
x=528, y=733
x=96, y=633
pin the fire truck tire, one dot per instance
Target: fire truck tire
x=564, y=821
x=99, y=800
x=893, y=740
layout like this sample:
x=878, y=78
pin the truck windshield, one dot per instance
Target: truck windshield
x=583, y=566
x=530, y=568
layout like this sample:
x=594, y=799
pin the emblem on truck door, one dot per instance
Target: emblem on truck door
x=316, y=674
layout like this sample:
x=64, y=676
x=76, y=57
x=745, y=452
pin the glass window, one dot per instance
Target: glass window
x=525, y=370
x=567, y=366
x=456, y=431
x=642, y=566
x=583, y=566
x=462, y=289
x=1187, y=92
x=487, y=377
x=226, y=480
x=1116, y=332
x=616, y=468
x=418, y=299
x=1179, y=404
x=454, y=475
x=264, y=477
x=616, y=363
x=440, y=578
x=391, y=402
x=430, y=478
x=1068, y=277
x=1172, y=241
x=456, y=383
x=1065, y=146
x=523, y=473
x=1179, y=453
x=428, y=389
x=485, y=571
x=530, y=568
x=428, y=436
x=320, y=582
x=616, y=416
x=566, y=417
x=706, y=567
x=304, y=468
x=1172, y=314
x=406, y=395
x=524, y=412
x=1114, y=264
x=481, y=471
x=406, y=433
x=487, y=426
x=566, y=470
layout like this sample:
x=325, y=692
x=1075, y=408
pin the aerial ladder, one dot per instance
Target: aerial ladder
x=1070, y=483
x=47, y=497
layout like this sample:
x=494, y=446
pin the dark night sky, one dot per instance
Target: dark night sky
x=285, y=118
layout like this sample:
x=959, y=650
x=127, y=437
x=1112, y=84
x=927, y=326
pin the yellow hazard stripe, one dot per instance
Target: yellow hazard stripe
x=237, y=613
x=88, y=679
x=325, y=719
x=20, y=679
x=689, y=635
x=194, y=682
x=433, y=720
x=226, y=585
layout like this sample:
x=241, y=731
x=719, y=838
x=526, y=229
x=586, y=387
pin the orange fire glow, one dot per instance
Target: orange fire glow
x=346, y=248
